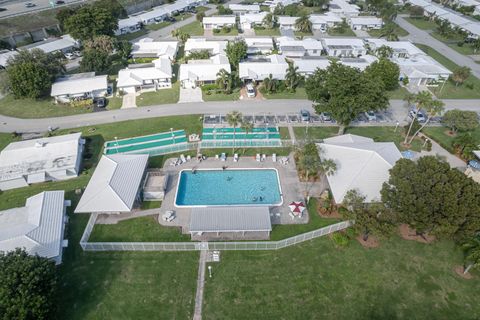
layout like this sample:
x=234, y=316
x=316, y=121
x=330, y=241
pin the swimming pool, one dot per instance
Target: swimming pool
x=231, y=187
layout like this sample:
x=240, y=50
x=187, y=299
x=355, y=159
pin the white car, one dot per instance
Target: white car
x=250, y=91
x=371, y=116
x=420, y=116
x=69, y=56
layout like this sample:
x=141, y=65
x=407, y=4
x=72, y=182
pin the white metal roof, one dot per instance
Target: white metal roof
x=473, y=28
x=360, y=63
x=329, y=17
x=159, y=48
x=405, y=46
x=273, y=64
x=161, y=69
x=352, y=42
x=366, y=20
x=204, y=70
x=436, y=10
x=114, y=184
x=37, y=227
x=362, y=164
x=5, y=55
x=306, y=43
x=286, y=20
x=129, y=22
x=252, y=42
x=344, y=7
x=456, y=19
x=78, y=83
x=230, y=219
x=195, y=44
x=309, y=66
x=244, y=7
x=253, y=17
x=421, y=65
x=28, y=157
x=219, y=20
x=53, y=44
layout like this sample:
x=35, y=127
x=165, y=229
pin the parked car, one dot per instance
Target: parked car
x=305, y=115
x=101, y=102
x=326, y=117
x=371, y=116
x=69, y=56
x=109, y=90
x=77, y=53
x=3, y=9
x=59, y=2
x=420, y=116
x=30, y=5
x=251, y=91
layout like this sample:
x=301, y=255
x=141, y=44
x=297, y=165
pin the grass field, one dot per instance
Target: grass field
x=399, y=31
x=163, y=96
x=284, y=134
x=194, y=29
x=346, y=33
x=379, y=134
x=221, y=96
x=157, y=26
x=298, y=94
x=439, y=135
x=449, y=90
x=452, y=41
x=44, y=108
x=398, y=93
x=267, y=32
x=422, y=23
x=28, y=22
x=232, y=32
x=399, y=280
x=114, y=103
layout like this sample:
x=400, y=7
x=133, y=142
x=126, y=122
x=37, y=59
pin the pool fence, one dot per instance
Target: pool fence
x=199, y=246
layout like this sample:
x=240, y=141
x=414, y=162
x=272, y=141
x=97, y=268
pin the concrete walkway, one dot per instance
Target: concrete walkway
x=129, y=101
x=190, y=95
x=197, y=314
x=438, y=150
x=421, y=36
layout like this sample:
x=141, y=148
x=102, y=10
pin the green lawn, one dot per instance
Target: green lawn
x=163, y=96
x=399, y=280
x=233, y=32
x=449, y=90
x=379, y=134
x=452, y=41
x=298, y=94
x=157, y=26
x=143, y=229
x=347, y=32
x=221, y=96
x=284, y=134
x=134, y=35
x=398, y=30
x=114, y=103
x=267, y=32
x=194, y=29
x=422, y=23
x=398, y=93
x=439, y=135
x=44, y=108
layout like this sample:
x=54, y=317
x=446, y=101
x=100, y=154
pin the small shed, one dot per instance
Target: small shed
x=155, y=186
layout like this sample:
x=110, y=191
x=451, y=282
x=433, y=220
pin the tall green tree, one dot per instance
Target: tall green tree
x=433, y=198
x=345, y=93
x=389, y=32
x=97, y=54
x=113, y=6
x=387, y=71
x=303, y=23
x=225, y=81
x=460, y=120
x=234, y=119
x=90, y=21
x=247, y=126
x=270, y=84
x=460, y=74
x=236, y=51
x=270, y=21
x=27, y=286
x=31, y=73
x=465, y=144
x=433, y=108
x=292, y=78
x=384, y=52
x=315, y=3
x=420, y=99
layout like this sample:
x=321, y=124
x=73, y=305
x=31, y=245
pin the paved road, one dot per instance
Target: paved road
x=421, y=36
x=17, y=8
x=10, y=124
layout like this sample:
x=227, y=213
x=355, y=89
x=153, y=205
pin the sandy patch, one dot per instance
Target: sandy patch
x=371, y=242
x=459, y=271
x=408, y=233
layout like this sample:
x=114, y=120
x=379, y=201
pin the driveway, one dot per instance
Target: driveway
x=190, y=95
x=129, y=101
x=361, y=33
x=287, y=33
x=421, y=36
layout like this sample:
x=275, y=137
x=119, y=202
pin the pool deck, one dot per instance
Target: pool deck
x=292, y=189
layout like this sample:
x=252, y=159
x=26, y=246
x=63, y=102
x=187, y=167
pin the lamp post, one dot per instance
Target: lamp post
x=116, y=144
x=173, y=136
x=209, y=271
x=396, y=126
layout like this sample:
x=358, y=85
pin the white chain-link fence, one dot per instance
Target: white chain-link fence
x=196, y=246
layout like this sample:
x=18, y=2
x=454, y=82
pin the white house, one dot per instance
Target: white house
x=146, y=77
x=422, y=70
x=365, y=23
x=360, y=63
x=128, y=25
x=259, y=45
x=148, y=48
x=38, y=227
x=473, y=30
x=6, y=55
x=39, y=160
x=400, y=49
x=290, y=47
x=308, y=65
x=343, y=9
x=259, y=68
x=250, y=20
x=62, y=44
x=115, y=185
x=470, y=3
x=198, y=72
x=156, y=15
x=273, y=3
x=362, y=165
x=323, y=22
x=160, y=13
x=218, y=22
x=344, y=47
x=240, y=9
x=286, y=22
x=79, y=86
x=200, y=44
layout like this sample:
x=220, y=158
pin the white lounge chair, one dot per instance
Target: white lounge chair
x=264, y=157
x=223, y=157
x=174, y=162
x=258, y=157
x=182, y=158
x=168, y=216
x=189, y=158
x=235, y=157
x=274, y=157
x=217, y=157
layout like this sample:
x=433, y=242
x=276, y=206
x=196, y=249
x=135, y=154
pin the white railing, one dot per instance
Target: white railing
x=197, y=246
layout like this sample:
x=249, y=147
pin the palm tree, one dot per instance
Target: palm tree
x=270, y=84
x=234, y=118
x=419, y=99
x=388, y=31
x=472, y=253
x=292, y=78
x=303, y=23
x=384, y=52
x=476, y=45
x=247, y=127
x=433, y=108
x=444, y=28
x=269, y=21
x=222, y=79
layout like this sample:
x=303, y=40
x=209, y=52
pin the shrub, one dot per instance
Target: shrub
x=81, y=103
x=216, y=30
x=460, y=43
x=470, y=86
x=340, y=239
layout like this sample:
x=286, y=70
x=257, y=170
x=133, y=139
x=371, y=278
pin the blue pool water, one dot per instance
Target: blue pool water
x=228, y=187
